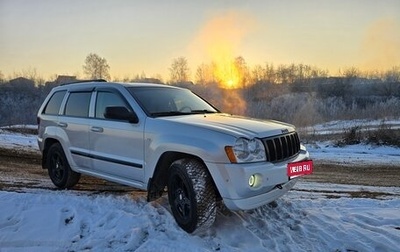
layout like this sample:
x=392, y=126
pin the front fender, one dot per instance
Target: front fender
x=203, y=148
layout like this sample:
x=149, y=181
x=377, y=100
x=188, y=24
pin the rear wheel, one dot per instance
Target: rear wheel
x=191, y=195
x=59, y=170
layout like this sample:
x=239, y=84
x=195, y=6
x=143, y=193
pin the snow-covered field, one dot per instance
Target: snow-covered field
x=334, y=127
x=360, y=154
x=312, y=217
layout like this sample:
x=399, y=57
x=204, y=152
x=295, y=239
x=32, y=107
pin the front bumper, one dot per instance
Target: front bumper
x=261, y=199
x=232, y=181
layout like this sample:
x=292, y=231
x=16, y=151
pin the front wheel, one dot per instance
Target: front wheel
x=191, y=195
x=59, y=170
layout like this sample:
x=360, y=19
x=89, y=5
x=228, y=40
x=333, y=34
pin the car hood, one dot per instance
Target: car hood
x=234, y=125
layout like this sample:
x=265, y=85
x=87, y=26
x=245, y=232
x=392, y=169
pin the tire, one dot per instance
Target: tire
x=59, y=170
x=191, y=195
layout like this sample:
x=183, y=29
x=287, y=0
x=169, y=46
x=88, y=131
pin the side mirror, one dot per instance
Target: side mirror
x=120, y=113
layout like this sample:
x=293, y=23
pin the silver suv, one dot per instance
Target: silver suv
x=153, y=137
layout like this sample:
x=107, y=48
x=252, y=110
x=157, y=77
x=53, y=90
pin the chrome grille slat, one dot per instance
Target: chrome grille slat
x=282, y=147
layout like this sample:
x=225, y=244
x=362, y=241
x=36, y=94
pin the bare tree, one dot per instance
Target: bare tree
x=351, y=73
x=257, y=74
x=205, y=74
x=392, y=75
x=96, y=67
x=179, y=70
x=201, y=74
x=282, y=74
x=29, y=73
x=243, y=71
x=391, y=82
x=269, y=73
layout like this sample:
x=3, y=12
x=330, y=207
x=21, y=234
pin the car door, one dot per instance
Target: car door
x=117, y=145
x=75, y=123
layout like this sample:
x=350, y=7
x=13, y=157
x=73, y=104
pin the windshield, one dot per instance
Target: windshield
x=167, y=101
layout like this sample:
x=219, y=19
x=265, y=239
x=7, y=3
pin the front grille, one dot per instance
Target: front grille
x=282, y=147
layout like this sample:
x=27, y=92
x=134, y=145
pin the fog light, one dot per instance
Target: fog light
x=252, y=180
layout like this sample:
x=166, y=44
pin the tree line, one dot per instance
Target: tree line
x=295, y=93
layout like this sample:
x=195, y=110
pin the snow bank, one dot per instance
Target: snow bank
x=60, y=221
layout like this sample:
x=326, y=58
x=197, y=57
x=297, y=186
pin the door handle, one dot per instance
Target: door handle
x=62, y=124
x=96, y=129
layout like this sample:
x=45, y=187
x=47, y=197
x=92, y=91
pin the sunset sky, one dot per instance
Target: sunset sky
x=55, y=36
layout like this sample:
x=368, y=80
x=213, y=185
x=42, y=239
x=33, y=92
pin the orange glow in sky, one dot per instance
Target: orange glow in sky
x=219, y=41
x=136, y=37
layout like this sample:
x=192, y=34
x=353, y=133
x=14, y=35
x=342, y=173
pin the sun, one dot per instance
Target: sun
x=226, y=73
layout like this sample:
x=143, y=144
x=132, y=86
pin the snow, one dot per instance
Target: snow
x=12, y=140
x=335, y=127
x=311, y=217
x=43, y=220
x=360, y=154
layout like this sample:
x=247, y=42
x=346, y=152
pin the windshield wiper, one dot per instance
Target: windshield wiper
x=203, y=111
x=168, y=113
x=177, y=113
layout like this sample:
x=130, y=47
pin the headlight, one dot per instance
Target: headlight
x=246, y=150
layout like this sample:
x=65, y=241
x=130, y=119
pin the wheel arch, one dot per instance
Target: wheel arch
x=158, y=181
x=48, y=142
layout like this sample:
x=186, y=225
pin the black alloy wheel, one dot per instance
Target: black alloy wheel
x=59, y=169
x=191, y=195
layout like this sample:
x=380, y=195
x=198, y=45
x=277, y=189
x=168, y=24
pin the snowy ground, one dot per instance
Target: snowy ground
x=18, y=141
x=312, y=217
x=38, y=220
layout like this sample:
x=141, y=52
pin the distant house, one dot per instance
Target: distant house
x=62, y=79
x=146, y=80
x=22, y=82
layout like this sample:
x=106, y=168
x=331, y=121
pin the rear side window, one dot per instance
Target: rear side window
x=53, y=106
x=78, y=104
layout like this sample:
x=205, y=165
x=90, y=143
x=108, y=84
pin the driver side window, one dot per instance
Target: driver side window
x=108, y=99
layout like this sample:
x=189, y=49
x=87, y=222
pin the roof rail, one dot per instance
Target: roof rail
x=82, y=81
